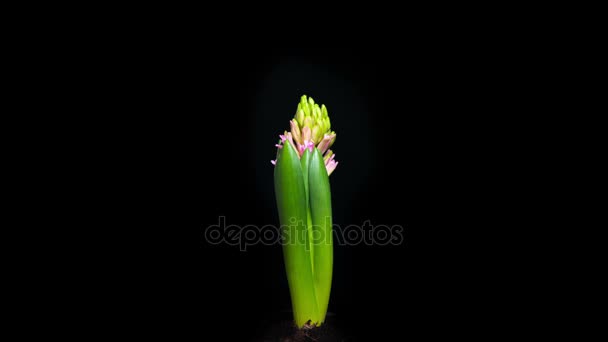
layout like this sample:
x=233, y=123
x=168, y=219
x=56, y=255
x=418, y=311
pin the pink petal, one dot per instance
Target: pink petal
x=301, y=149
x=326, y=142
x=331, y=167
x=331, y=159
x=306, y=133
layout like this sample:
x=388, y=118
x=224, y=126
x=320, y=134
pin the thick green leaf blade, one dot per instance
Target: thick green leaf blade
x=305, y=162
x=321, y=215
x=291, y=202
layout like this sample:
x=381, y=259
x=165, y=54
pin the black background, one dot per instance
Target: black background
x=407, y=157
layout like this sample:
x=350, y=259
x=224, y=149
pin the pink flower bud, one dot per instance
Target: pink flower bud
x=295, y=131
x=331, y=166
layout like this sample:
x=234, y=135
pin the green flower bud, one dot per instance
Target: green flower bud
x=308, y=121
x=333, y=140
x=310, y=128
x=312, y=117
x=317, y=112
x=317, y=135
x=303, y=102
x=304, y=105
x=300, y=117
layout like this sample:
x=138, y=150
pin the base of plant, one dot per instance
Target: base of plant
x=284, y=329
x=309, y=325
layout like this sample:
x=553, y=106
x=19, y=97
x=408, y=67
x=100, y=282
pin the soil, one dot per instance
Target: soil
x=286, y=331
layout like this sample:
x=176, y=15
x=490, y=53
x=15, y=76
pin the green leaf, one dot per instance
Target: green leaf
x=290, y=193
x=321, y=215
x=305, y=162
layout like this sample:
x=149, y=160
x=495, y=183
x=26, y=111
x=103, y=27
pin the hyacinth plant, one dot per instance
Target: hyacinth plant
x=301, y=180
